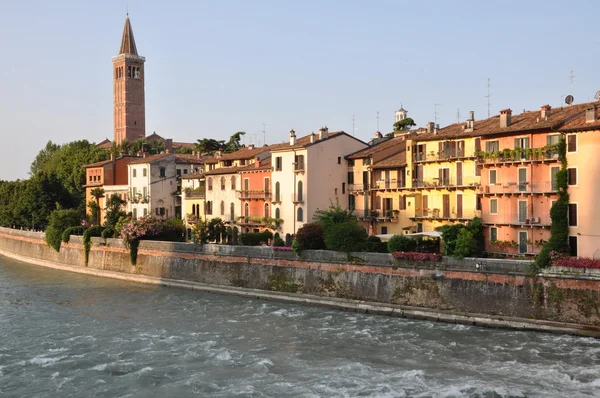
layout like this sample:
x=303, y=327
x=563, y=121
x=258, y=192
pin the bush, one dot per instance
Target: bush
x=267, y=235
x=428, y=245
x=277, y=241
x=95, y=230
x=346, y=237
x=401, y=243
x=254, y=238
x=59, y=221
x=450, y=234
x=109, y=232
x=375, y=245
x=66, y=235
x=310, y=237
x=465, y=244
x=171, y=230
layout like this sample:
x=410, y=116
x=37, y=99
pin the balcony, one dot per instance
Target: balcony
x=297, y=198
x=447, y=183
x=298, y=167
x=514, y=220
x=358, y=188
x=433, y=157
x=388, y=184
x=197, y=193
x=451, y=215
x=519, y=188
x=254, y=195
x=547, y=154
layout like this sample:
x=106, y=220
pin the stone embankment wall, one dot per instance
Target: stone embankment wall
x=476, y=286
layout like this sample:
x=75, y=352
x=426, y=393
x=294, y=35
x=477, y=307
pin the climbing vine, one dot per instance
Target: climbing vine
x=559, y=229
x=95, y=230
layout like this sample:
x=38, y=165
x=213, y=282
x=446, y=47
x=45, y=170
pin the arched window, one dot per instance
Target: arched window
x=232, y=211
x=277, y=213
x=266, y=210
x=233, y=182
x=299, y=194
x=246, y=210
x=277, y=193
x=300, y=214
x=222, y=183
x=222, y=208
x=209, y=183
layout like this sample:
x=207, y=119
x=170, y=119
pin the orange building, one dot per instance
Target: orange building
x=255, y=197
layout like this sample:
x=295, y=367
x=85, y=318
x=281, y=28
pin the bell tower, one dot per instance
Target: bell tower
x=128, y=86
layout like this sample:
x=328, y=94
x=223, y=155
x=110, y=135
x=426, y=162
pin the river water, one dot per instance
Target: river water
x=70, y=335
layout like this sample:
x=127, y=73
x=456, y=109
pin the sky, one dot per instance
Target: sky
x=217, y=67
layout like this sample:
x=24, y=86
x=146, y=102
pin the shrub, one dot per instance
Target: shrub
x=267, y=235
x=428, y=245
x=95, y=230
x=109, y=232
x=66, y=235
x=375, y=245
x=251, y=238
x=465, y=244
x=346, y=237
x=277, y=241
x=171, y=230
x=401, y=243
x=282, y=249
x=60, y=220
x=235, y=238
x=310, y=237
x=450, y=234
x=581, y=262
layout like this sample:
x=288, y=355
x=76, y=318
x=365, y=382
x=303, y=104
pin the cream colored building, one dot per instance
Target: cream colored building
x=310, y=173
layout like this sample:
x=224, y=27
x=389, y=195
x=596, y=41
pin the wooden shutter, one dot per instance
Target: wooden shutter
x=572, y=176
x=572, y=143
x=572, y=214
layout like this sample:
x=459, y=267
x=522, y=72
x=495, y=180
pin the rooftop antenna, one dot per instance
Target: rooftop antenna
x=264, y=131
x=377, y=120
x=489, y=97
x=458, y=116
x=597, y=96
x=435, y=112
x=571, y=80
x=353, y=124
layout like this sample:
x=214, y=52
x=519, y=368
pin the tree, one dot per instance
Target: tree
x=234, y=142
x=60, y=220
x=215, y=229
x=46, y=159
x=114, y=210
x=401, y=243
x=97, y=193
x=404, y=124
x=465, y=244
x=209, y=145
x=335, y=214
x=310, y=237
x=347, y=237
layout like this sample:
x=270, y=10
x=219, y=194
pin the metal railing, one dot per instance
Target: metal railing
x=510, y=218
x=388, y=184
x=524, y=155
x=446, y=182
x=298, y=198
x=452, y=214
x=439, y=156
x=514, y=187
x=247, y=195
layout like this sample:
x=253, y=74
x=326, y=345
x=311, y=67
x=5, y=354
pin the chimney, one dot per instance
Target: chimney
x=378, y=135
x=143, y=154
x=312, y=138
x=505, y=118
x=257, y=162
x=112, y=156
x=251, y=146
x=323, y=133
x=218, y=154
x=198, y=154
x=590, y=114
x=168, y=145
x=545, y=112
x=472, y=116
x=167, y=151
x=292, y=137
x=430, y=127
x=435, y=130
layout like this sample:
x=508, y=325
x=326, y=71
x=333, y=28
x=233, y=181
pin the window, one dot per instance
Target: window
x=185, y=171
x=553, y=172
x=384, y=230
x=402, y=202
x=232, y=211
x=492, y=146
x=178, y=172
x=573, y=246
x=222, y=183
x=351, y=202
x=339, y=160
x=299, y=163
x=277, y=213
x=134, y=173
x=210, y=183
x=233, y=183
x=145, y=211
x=552, y=139
x=350, y=177
x=522, y=211
x=343, y=188
x=277, y=193
x=222, y=208
x=299, y=214
x=134, y=192
x=378, y=202
x=134, y=213
x=350, y=162
x=572, y=143
x=493, y=175
x=278, y=163
x=267, y=186
x=209, y=207
x=163, y=172
x=572, y=175
x=145, y=190
x=266, y=210
x=366, y=161
x=246, y=210
x=572, y=214
x=144, y=172
x=493, y=206
x=493, y=234
x=299, y=192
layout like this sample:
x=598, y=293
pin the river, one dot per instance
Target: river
x=70, y=335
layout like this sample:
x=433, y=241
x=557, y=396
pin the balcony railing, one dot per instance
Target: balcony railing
x=197, y=193
x=388, y=184
x=358, y=187
x=439, y=156
x=547, y=153
x=513, y=187
x=510, y=218
x=249, y=195
x=452, y=214
x=297, y=198
x=446, y=182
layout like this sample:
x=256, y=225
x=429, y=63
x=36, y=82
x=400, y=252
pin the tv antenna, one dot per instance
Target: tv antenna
x=569, y=99
x=264, y=131
x=458, y=116
x=489, y=97
x=571, y=80
x=353, y=125
x=597, y=96
x=435, y=112
x=377, y=120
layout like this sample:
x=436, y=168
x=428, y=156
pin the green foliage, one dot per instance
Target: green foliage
x=559, y=229
x=95, y=230
x=450, y=235
x=404, y=124
x=109, y=232
x=401, y=243
x=60, y=220
x=172, y=230
x=335, y=214
x=277, y=241
x=182, y=150
x=235, y=238
x=66, y=235
x=309, y=237
x=121, y=223
x=114, y=210
x=375, y=245
x=465, y=244
x=476, y=228
x=346, y=237
x=214, y=230
x=46, y=160
x=199, y=231
x=210, y=145
x=255, y=238
x=94, y=212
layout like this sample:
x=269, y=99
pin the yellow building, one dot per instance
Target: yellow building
x=444, y=175
x=193, y=199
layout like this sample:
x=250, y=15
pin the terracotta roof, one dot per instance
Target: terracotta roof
x=396, y=160
x=365, y=153
x=526, y=121
x=244, y=153
x=151, y=158
x=304, y=142
x=127, y=41
x=105, y=144
x=97, y=164
x=192, y=176
x=190, y=159
x=225, y=170
x=189, y=145
x=264, y=165
x=579, y=123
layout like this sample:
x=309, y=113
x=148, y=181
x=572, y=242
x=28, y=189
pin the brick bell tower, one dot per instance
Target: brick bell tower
x=128, y=85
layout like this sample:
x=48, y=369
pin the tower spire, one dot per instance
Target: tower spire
x=127, y=41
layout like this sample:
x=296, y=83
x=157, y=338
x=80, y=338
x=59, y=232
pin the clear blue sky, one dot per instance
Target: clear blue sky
x=214, y=68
